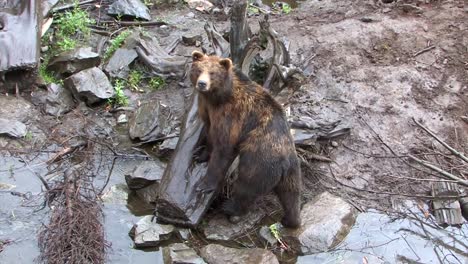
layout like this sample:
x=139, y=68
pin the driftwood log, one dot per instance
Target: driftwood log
x=178, y=201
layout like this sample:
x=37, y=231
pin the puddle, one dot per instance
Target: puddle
x=291, y=3
x=376, y=238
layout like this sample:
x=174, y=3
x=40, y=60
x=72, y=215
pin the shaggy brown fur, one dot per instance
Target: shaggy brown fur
x=241, y=118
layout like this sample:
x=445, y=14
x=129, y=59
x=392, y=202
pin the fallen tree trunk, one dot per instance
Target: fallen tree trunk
x=179, y=201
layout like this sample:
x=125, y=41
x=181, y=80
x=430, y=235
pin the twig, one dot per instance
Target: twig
x=424, y=50
x=37, y=174
x=69, y=6
x=455, y=152
x=439, y=170
x=108, y=177
x=135, y=23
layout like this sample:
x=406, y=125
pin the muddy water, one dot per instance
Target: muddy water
x=378, y=238
x=292, y=3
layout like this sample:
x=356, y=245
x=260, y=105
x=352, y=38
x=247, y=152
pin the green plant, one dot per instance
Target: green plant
x=156, y=83
x=134, y=79
x=148, y=3
x=28, y=136
x=286, y=8
x=119, y=99
x=46, y=75
x=116, y=43
x=69, y=25
x=276, y=233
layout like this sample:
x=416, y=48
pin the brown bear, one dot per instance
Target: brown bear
x=241, y=118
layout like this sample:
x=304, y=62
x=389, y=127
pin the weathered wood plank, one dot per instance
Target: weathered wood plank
x=446, y=211
x=19, y=34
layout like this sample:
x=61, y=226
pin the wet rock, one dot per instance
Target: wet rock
x=217, y=254
x=184, y=234
x=117, y=66
x=150, y=122
x=325, y=222
x=117, y=194
x=59, y=100
x=12, y=128
x=6, y=186
x=200, y=5
x=168, y=145
x=15, y=108
x=220, y=228
x=122, y=119
x=90, y=85
x=180, y=253
x=148, y=233
x=47, y=5
x=145, y=174
x=70, y=62
x=192, y=40
x=129, y=8
x=149, y=194
x=266, y=234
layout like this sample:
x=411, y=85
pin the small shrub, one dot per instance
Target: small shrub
x=120, y=99
x=116, y=43
x=156, y=83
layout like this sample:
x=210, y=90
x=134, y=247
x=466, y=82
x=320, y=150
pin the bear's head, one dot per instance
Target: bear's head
x=211, y=75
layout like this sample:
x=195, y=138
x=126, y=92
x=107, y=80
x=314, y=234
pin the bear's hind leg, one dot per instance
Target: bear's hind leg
x=288, y=192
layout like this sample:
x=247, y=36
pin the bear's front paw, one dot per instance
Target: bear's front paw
x=205, y=187
x=291, y=222
x=201, y=154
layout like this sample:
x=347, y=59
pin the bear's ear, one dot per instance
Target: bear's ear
x=196, y=55
x=226, y=63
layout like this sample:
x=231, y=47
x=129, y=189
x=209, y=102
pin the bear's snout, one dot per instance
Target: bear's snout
x=202, y=86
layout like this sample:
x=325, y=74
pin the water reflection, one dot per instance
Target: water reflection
x=379, y=238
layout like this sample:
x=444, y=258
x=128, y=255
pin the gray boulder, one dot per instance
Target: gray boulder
x=180, y=253
x=59, y=100
x=217, y=254
x=148, y=233
x=220, y=228
x=150, y=122
x=12, y=128
x=325, y=222
x=145, y=174
x=70, y=62
x=129, y=8
x=90, y=86
x=118, y=63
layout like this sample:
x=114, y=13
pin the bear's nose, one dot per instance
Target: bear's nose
x=201, y=85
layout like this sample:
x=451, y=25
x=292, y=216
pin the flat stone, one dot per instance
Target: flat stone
x=145, y=174
x=70, y=62
x=150, y=122
x=325, y=222
x=129, y=8
x=15, y=108
x=90, y=86
x=217, y=254
x=148, y=233
x=122, y=119
x=6, y=186
x=59, y=100
x=168, y=145
x=12, y=128
x=117, y=194
x=180, y=253
x=266, y=235
x=117, y=66
x=220, y=228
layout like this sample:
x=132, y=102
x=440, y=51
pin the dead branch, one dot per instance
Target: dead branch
x=424, y=50
x=70, y=6
x=240, y=31
x=439, y=170
x=218, y=43
x=455, y=152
